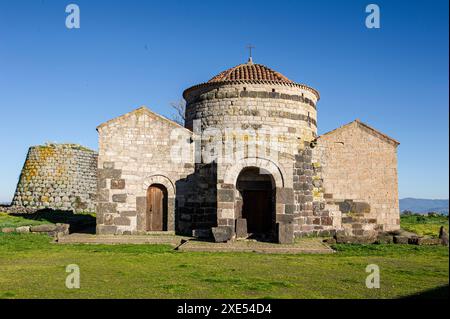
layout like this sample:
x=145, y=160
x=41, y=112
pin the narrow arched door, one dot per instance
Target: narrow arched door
x=156, y=208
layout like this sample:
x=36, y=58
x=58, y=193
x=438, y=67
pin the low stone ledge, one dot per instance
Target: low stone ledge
x=43, y=228
x=394, y=237
x=49, y=229
x=342, y=238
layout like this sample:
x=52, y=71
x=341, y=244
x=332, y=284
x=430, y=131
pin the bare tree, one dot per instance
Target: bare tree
x=180, y=108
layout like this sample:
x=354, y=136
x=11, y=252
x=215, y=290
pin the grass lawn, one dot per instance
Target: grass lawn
x=32, y=267
x=77, y=221
x=13, y=221
x=424, y=225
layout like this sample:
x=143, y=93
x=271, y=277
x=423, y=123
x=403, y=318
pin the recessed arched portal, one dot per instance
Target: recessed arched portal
x=156, y=215
x=256, y=199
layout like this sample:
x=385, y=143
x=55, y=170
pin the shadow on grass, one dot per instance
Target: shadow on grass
x=435, y=293
x=79, y=223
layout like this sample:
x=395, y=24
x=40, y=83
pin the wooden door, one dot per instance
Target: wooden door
x=257, y=210
x=155, y=208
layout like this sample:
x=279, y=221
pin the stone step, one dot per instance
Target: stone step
x=303, y=246
x=122, y=239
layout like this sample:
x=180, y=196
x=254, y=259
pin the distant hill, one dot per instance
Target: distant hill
x=417, y=205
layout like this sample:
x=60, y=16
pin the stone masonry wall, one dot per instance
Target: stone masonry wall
x=58, y=176
x=137, y=150
x=359, y=172
x=258, y=125
x=313, y=214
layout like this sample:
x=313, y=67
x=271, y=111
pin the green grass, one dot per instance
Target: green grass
x=13, y=221
x=424, y=225
x=76, y=221
x=32, y=267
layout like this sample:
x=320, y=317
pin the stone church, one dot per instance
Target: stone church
x=247, y=163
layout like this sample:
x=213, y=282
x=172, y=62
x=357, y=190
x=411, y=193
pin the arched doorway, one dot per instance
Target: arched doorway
x=156, y=215
x=257, y=202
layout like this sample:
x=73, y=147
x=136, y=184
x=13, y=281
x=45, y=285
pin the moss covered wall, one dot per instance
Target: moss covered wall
x=58, y=176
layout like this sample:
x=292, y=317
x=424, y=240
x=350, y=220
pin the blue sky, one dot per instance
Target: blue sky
x=58, y=84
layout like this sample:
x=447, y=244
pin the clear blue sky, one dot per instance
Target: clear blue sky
x=58, y=84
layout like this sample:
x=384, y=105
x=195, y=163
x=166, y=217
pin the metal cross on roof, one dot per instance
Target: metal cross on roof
x=250, y=47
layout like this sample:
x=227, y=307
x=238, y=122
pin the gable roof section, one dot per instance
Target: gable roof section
x=140, y=110
x=366, y=127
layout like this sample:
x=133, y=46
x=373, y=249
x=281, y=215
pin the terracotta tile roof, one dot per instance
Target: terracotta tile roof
x=250, y=72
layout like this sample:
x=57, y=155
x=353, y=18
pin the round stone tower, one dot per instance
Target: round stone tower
x=58, y=176
x=253, y=95
x=251, y=116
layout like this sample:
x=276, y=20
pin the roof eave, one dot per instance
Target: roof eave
x=293, y=84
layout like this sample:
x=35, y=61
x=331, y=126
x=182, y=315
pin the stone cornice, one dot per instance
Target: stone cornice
x=218, y=84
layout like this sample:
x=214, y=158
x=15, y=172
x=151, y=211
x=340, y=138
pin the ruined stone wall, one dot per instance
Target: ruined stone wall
x=313, y=214
x=359, y=171
x=137, y=150
x=58, y=176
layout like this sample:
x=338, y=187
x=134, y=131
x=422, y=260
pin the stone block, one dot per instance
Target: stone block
x=225, y=195
x=328, y=221
x=401, y=239
x=289, y=208
x=108, y=219
x=101, y=183
x=342, y=238
x=356, y=226
x=428, y=241
x=227, y=205
x=361, y=208
x=106, y=230
x=222, y=234
x=43, y=228
x=384, y=238
x=106, y=208
x=8, y=230
x=285, y=232
x=23, y=229
x=241, y=228
x=109, y=173
x=108, y=165
x=103, y=195
x=117, y=184
x=345, y=207
x=62, y=229
x=119, y=198
x=285, y=218
x=128, y=214
x=443, y=236
x=285, y=195
x=121, y=221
